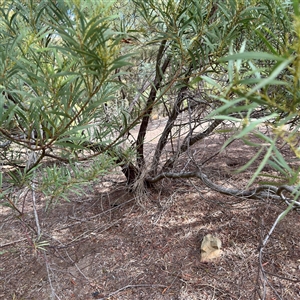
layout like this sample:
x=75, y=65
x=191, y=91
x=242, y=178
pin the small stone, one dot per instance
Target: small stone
x=210, y=248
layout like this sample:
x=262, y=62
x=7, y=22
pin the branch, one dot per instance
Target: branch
x=170, y=124
x=256, y=193
x=160, y=70
x=189, y=141
x=140, y=91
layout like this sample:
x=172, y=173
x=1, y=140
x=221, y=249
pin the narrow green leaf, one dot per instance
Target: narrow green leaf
x=270, y=79
x=253, y=124
x=296, y=7
x=261, y=165
x=250, y=143
x=228, y=104
x=253, y=55
x=277, y=167
x=250, y=162
x=289, y=208
x=227, y=118
x=267, y=43
x=281, y=161
x=212, y=82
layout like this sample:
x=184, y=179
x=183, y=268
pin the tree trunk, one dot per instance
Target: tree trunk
x=160, y=70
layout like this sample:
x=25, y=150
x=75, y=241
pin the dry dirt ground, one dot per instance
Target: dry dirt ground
x=113, y=244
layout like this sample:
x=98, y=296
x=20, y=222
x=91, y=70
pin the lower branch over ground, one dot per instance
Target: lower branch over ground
x=264, y=191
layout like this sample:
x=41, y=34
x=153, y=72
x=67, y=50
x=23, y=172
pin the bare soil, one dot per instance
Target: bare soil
x=114, y=244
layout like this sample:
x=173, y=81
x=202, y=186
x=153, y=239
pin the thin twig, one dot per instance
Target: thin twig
x=53, y=294
x=130, y=286
x=11, y=243
x=282, y=277
x=32, y=161
x=77, y=267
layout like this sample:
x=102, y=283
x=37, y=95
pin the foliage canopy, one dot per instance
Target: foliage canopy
x=77, y=76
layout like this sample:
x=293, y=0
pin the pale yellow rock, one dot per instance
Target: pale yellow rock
x=210, y=248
